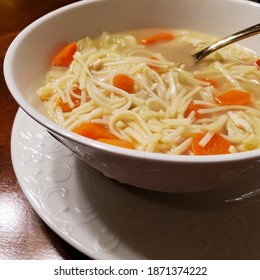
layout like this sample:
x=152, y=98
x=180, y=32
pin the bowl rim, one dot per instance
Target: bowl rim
x=59, y=130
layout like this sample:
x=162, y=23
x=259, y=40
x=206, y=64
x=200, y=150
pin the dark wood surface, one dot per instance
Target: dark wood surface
x=23, y=235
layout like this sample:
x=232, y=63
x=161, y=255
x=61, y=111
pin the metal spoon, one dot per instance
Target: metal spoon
x=245, y=33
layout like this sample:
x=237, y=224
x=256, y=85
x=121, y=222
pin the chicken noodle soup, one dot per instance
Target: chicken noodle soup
x=134, y=90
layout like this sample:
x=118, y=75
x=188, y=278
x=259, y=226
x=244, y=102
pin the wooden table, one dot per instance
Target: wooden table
x=25, y=237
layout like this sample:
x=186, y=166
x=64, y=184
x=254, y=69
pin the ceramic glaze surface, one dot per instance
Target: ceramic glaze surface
x=28, y=60
x=107, y=220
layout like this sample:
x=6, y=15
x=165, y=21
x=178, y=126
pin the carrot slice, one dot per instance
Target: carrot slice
x=94, y=131
x=195, y=108
x=257, y=62
x=155, y=68
x=217, y=145
x=234, y=97
x=124, y=82
x=117, y=142
x=211, y=81
x=65, y=56
x=65, y=106
x=76, y=90
x=157, y=38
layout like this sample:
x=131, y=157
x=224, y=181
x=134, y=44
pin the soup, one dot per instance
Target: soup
x=140, y=90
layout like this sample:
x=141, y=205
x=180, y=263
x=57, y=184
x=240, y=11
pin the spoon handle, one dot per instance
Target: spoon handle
x=253, y=30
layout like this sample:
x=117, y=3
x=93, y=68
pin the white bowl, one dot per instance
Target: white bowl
x=26, y=64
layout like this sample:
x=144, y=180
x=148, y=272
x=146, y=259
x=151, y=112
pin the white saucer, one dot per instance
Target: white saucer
x=107, y=220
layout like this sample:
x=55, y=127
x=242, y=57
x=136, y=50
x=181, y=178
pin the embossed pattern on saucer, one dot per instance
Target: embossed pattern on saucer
x=107, y=220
